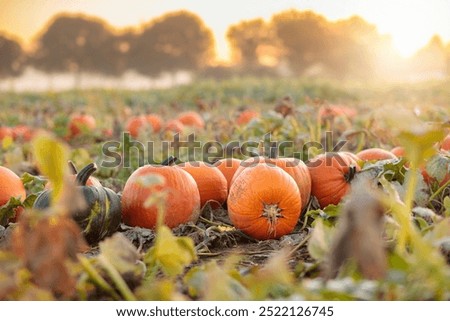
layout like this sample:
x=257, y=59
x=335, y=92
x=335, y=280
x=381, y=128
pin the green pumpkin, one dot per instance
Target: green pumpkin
x=102, y=215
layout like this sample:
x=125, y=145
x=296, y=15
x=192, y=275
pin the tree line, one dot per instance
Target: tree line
x=292, y=42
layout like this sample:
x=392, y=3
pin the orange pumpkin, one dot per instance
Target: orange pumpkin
x=81, y=123
x=11, y=186
x=336, y=111
x=445, y=145
x=294, y=167
x=192, y=119
x=211, y=183
x=155, y=121
x=228, y=167
x=375, y=154
x=331, y=174
x=246, y=116
x=23, y=133
x=264, y=202
x=182, y=204
x=135, y=125
x=398, y=151
x=5, y=132
x=174, y=125
x=300, y=173
x=355, y=158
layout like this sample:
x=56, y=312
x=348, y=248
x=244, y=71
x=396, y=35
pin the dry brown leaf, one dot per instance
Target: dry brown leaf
x=46, y=245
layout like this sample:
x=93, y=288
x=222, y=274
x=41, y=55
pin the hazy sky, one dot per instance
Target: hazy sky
x=410, y=23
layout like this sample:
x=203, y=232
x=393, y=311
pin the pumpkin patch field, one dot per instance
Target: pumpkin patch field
x=240, y=189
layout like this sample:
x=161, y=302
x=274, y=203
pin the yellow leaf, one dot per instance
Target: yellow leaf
x=7, y=142
x=171, y=253
x=52, y=156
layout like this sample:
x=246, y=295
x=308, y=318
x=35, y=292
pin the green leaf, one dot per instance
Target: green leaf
x=213, y=283
x=8, y=211
x=170, y=253
x=438, y=167
x=33, y=184
x=29, y=201
x=447, y=206
x=328, y=214
x=419, y=142
x=320, y=243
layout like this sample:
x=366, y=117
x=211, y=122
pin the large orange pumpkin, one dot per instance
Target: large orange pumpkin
x=228, y=167
x=211, y=183
x=155, y=121
x=294, y=167
x=375, y=154
x=246, y=116
x=192, y=119
x=264, y=202
x=81, y=123
x=331, y=174
x=182, y=204
x=10, y=186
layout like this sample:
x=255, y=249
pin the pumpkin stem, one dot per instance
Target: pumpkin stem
x=351, y=173
x=272, y=212
x=73, y=168
x=170, y=161
x=85, y=173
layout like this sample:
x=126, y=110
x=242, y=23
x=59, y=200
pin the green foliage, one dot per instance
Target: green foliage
x=168, y=266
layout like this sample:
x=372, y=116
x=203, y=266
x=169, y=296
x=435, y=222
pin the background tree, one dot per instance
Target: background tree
x=12, y=57
x=176, y=41
x=356, y=49
x=248, y=40
x=305, y=36
x=431, y=60
x=77, y=44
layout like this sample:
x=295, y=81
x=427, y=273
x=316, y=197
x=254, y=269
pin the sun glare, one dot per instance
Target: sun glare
x=409, y=24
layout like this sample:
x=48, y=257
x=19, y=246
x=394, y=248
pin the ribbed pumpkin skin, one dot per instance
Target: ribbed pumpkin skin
x=257, y=186
x=211, y=183
x=355, y=158
x=182, y=203
x=296, y=168
x=191, y=118
x=80, y=123
x=328, y=181
x=300, y=173
x=228, y=167
x=10, y=186
x=375, y=154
